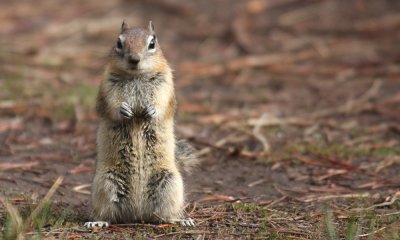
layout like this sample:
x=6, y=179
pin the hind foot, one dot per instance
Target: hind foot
x=100, y=224
x=184, y=222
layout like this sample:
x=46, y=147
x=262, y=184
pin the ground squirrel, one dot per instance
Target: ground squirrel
x=139, y=163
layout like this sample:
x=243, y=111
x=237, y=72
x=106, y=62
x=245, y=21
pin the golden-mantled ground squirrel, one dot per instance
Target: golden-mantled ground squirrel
x=139, y=163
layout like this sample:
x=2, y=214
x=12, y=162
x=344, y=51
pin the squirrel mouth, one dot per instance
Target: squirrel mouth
x=133, y=66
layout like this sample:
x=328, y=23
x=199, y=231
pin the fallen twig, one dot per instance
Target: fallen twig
x=219, y=144
x=259, y=136
x=80, y=188
x=388, y=203
x=183, y=232
x=217, y=197
x=372, y=233
x=8, y=166
x=275, y=202
x=273, y=121
x=330, y=197
x=332, y=173
x=230, y=150
x=252, y=184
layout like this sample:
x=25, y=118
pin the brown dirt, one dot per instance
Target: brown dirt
x=324, y=76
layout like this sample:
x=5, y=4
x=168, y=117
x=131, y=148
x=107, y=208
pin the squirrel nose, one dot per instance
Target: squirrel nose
x=134, y=59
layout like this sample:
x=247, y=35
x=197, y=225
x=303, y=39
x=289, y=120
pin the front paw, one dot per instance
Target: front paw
x=126, y=111
x=149, y=111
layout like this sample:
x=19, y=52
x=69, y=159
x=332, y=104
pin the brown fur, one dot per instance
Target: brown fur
x=137, y=177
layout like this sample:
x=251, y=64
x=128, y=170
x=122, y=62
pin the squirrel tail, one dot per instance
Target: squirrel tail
x=185, y=155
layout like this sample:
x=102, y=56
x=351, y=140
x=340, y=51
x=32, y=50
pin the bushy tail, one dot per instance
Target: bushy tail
x=185, y=155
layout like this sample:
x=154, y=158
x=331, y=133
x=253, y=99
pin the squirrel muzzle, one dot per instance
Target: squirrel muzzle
x=133, y=60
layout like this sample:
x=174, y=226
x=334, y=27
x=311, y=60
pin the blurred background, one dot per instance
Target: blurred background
x=281, y=97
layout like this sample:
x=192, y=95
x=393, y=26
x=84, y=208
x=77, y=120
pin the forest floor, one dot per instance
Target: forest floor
x=293, y=106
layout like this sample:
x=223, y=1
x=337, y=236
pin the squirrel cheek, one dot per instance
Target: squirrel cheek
x=147, y=64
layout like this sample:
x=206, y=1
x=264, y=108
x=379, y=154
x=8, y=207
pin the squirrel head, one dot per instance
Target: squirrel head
x=137, y=50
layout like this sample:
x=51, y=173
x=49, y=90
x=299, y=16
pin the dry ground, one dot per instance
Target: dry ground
x=293, y=105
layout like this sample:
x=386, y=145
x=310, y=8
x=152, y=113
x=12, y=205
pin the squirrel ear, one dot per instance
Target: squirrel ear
x=124, y=26
x=151, y=27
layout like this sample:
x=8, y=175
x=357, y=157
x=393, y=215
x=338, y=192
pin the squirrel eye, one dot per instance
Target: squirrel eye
x=152, y=43
x=119, y=44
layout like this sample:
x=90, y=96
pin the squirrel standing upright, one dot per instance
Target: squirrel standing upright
x=139, y=163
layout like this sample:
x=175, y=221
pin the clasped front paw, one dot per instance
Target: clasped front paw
x=149, y=111
x=126, y=111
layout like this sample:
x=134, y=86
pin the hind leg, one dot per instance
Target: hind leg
x=105, y=201
x=165, y=198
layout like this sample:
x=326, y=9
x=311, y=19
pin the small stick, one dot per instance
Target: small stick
x=259, y=136
x=80, y=188
x=371, y=233
x=329, y=197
